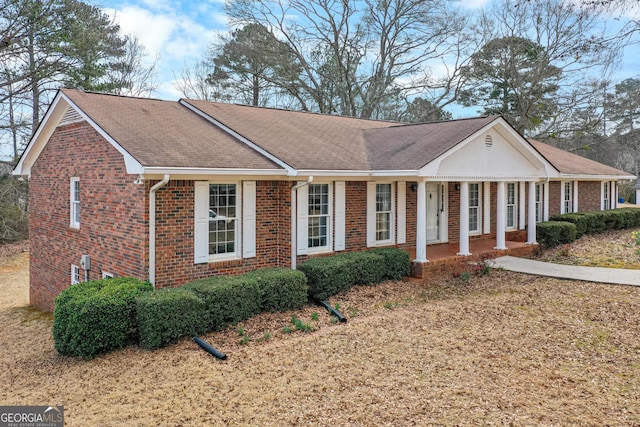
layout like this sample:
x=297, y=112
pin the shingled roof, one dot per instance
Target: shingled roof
x=166, y=134
x=203, y=135
x=572, y=164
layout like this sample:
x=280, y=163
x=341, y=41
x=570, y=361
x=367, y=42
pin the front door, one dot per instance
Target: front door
x=434, y=207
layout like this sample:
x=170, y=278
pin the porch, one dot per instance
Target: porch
x=443, y=257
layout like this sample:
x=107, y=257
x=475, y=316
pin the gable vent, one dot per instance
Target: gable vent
x=70, y=116
x=488, y=142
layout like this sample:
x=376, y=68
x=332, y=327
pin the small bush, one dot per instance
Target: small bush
x=328, y=276
x=280, y=289
x=331, y=275
x=369, y=267
x=166, y=315
x=227, y=299
x=397, y=262
x=97, y=316
x=554, y=233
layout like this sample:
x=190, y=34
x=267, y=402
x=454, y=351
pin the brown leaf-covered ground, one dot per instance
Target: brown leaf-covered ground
x=494, y=350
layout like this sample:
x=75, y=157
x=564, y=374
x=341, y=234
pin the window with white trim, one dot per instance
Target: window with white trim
x=107, y=275
x=606, y=196
x=319, y=216
x=74, y=203
x=384, y=212
x=567, y=197
x=512, y=206
x=223, y=219
x=75, y=274
x=538, y=202
x=474, y=207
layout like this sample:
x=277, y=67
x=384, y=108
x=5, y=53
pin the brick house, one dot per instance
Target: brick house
x=173, y=191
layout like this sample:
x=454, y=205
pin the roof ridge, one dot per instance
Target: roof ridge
x=115, y=95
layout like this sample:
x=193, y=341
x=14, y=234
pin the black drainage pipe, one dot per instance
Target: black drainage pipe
x=210, y=349
x=332, y=310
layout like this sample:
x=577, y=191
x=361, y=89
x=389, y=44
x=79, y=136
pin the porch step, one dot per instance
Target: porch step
x=448, y=263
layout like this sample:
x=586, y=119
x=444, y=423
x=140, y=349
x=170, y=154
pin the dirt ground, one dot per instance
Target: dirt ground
x=494, y=350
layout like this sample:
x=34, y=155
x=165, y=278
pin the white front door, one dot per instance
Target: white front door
x=434, y=208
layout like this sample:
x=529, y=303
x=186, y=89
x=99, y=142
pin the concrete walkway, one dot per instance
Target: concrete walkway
x=616, y=276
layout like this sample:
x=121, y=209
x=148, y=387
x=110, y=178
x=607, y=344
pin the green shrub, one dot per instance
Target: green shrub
x=97, y=316
x=554, y=233
x=227, y=299
x=280, y=289
x=166, y=315
x=593, y=222
x=328, y=276
x=369, y=267
x=397, y=262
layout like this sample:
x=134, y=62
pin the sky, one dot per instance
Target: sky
x=178, y=33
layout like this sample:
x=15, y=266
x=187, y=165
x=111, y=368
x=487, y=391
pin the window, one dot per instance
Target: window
x=384, y=212
x=567, y=197
x=74, y=207
x=606, y=197
x=107, y=275
x=538, y=202
x=75, y=274
x=512, y=208
x=319, y=216
x=474, y=207
x=223, y=220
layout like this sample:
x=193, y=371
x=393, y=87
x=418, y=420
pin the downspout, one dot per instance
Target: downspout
x=152, y=228
x=294, y=220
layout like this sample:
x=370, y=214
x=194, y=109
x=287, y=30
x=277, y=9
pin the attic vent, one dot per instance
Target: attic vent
x=70, y=116
x=488, y=142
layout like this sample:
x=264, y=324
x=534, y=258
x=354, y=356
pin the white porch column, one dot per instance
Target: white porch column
x=545, y=198
x=615, y=191
x=486, y=207
x=501, y=217
x=531, y=214
x=522, y=210
x=421, y=230
x=575, y=196
x=464, y=219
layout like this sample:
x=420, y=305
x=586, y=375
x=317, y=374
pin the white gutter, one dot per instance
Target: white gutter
x=294, y=220
x=152, y=228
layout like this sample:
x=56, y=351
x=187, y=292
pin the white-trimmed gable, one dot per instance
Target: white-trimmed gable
x=494, y=152
x=61, y=112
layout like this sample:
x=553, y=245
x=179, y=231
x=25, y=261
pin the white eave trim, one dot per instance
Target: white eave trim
x=581, y=177
x=290, y=170
x=49, y=124
x=161, y=170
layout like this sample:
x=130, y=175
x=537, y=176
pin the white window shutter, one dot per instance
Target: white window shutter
x=201, y=222
x=341, y=215
x=248, y=219
x=402, y=212
x=371, y=214
x=303, y=220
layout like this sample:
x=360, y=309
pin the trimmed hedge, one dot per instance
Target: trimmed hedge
x=554, y=233
x=227, y=299
x=338, y=273
x=397, y=262
x=166, y=315
x=592, y=222
x=281, y=289
x=97, y=316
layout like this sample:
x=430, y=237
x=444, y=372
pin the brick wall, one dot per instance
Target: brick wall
x=175, y=230
x=589, y=195
x=112, y=214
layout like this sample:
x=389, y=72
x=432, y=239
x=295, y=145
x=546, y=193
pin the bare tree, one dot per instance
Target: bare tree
x=355, y=55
